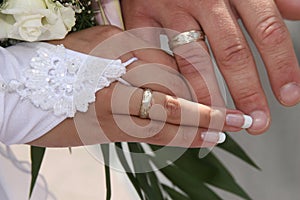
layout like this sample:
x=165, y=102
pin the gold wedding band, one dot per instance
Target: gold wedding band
x=186, y=37
x=146, y=104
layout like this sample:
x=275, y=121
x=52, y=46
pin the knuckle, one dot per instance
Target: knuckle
x=217, y=119
x=173, y=109
x=271, y=31
x=235, y=54
x=248, y=97
x=203, y=96
x=208, y=117
x=282, y=63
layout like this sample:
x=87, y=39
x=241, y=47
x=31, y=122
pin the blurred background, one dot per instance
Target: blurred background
x=79, y=176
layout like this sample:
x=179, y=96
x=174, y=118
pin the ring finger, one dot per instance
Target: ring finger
x=193, y=59
x=165, y=108
x=168, y=123
x=235, y=60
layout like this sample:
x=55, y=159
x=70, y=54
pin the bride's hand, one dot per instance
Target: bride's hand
x=174, y=119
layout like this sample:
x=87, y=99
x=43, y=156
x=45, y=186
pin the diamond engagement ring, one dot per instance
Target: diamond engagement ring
x=186, y=37
x=146, y=104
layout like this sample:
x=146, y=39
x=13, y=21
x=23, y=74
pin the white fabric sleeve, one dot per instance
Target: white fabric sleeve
x=20, y=121
x=43, y=84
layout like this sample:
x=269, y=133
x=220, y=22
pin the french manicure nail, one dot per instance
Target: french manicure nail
x=290, y=94
x=239, y=120
x=260, y=120
x=213, y=137
x=248, y=121
x=222, y=138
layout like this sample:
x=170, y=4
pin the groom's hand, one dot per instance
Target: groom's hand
x=235, y=60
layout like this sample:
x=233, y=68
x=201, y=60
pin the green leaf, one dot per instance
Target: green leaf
x=188, y=162
x=130, y=175
x=148, y=180
x=156, y=185
x=194, y=188
x=174, y=194
x=37, y=155
x=223, y=179
x=186, y=180
x=199, y=172
x=105, y=152
x=234, y=148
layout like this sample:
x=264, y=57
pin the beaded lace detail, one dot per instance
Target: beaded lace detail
x=64, y=83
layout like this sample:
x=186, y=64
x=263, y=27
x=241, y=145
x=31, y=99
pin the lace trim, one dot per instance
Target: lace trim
x=64, y=83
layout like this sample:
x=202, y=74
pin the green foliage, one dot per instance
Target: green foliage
x=233, y=147
x=190, y=175
x=37, y=155
x=105, y=152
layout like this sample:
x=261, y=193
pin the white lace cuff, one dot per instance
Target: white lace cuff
x=65, y=81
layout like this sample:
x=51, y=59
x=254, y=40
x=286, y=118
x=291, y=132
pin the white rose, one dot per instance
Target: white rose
x=28, y=27
x=35, y=20
x=67, y=14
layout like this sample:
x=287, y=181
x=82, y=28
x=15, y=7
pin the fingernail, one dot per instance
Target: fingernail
x=260, y=120
x=213, y=137
x=239, y=120
x=290, y=94
x=222, y=138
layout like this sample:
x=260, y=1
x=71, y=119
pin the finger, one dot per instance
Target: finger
x=196, y=66
x=140, y=130
x=289, y=9
x=193, y=60
x=273, y=41
x=173, y=110
x=235, y=61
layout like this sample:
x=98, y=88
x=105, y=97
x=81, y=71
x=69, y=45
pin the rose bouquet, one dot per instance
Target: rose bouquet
x=35, y=20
